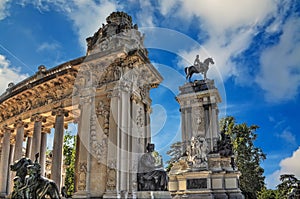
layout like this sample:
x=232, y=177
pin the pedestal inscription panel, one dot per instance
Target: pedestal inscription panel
x=200, y=183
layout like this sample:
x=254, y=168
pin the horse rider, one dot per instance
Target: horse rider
x=197, y=63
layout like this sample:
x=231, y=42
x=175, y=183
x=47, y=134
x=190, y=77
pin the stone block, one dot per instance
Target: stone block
x=153, y=195
x=231, y=183
x=217, y=183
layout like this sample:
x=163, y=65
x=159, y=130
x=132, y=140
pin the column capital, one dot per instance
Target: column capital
x=125, y=85
x=85, y=100
x=6, y=129
x=28, y=133
x=60, y=111
x=46, y=130
x=37, y=118
x=19, y=123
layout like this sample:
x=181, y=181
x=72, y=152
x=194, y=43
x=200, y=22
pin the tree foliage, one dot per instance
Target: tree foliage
x=69, y=151
x=175, y=153
x=247, y=155
x=269, y=194
x=287, y=183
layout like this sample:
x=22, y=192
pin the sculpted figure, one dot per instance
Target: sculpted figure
x=197, y=152
x=198, y=67
x=152, y=176
x=33, y=185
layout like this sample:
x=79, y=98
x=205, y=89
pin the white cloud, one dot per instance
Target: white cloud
x=8, y=74
x=4, y=5
x=280, y=72
x=290, y=165
x=230, y=27
x=48, y=46
x=166, y=6
x=288, y=136
x=88, y=16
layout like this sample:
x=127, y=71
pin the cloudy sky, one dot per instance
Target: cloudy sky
x=255, y=45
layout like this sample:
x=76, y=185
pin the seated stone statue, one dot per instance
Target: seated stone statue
x=152, y=176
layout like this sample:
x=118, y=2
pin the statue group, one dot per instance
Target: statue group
x=29, y=183
x=152, y=176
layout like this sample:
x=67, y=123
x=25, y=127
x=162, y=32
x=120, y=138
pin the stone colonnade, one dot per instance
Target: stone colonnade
x=36, y=142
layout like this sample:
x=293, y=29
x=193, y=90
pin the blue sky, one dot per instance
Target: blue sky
x=255, y=45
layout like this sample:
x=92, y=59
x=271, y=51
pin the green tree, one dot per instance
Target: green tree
x=286, y=185
x=69, y=151
x=269, y=194
x=247, y=156
x=175, y=152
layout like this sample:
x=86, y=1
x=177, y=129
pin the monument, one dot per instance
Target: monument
x=106, y=93
x=206, y=169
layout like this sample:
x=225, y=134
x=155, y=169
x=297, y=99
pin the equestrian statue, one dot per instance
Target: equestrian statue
x=29, y=183
x=198, y=67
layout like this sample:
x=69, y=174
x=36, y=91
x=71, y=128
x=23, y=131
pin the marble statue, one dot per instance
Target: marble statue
x=32, y=185
x=198, y=67
x=197, y=152
x=152, y=176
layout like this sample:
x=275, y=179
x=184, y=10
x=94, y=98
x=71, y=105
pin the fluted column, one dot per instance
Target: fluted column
x=19, y=125
x=36, y=139
x=4, y=160
x=56, y=169
x=43, y=150
x=28, y=144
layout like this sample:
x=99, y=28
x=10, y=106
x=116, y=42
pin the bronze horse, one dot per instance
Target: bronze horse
x=29, y=183
x=201, y=68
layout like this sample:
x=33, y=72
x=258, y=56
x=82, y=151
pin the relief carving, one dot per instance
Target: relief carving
x=82, y=176
x=98, y=142
x=102, y=110
x=111, y=175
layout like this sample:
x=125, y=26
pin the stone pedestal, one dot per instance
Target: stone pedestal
x=199, y=113
x=153, y=195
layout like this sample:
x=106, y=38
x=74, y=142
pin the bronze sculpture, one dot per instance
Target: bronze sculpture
x=152, y=176
x=29, y=183
x=198, y=67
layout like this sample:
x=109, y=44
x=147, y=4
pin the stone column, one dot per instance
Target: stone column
x=56, y=169
x=36, y=140
x=112, y=188
x=4, y=161
x=43, y=150
x=214, y=117
x=19, y=125
x=147, y=110
x=28, y=144
x=11, y=175
x=124, y=139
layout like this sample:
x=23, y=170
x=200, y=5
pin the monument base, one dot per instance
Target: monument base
x=153, y=195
